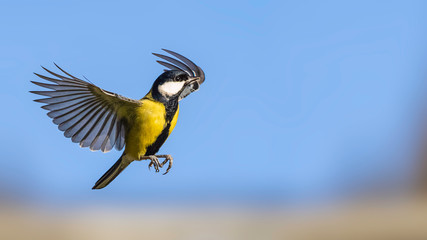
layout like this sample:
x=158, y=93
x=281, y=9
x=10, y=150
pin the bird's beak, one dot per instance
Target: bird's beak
x=191, y=85
x=194, y=83
x=194, y=79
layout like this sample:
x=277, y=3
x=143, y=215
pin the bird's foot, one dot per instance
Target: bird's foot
x=167, y=157
x=154, y=161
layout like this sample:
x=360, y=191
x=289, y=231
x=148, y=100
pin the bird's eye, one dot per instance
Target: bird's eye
x=180, y=78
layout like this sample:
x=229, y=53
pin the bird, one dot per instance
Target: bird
x=100, y=120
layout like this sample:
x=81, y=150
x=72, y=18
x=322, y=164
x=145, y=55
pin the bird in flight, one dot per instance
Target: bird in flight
x=101, y=120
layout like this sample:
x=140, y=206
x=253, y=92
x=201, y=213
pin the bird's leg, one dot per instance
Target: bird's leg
x=167, y=158
x=154, y=161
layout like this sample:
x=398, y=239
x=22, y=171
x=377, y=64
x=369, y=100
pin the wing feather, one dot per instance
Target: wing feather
x=177, y=63
x=70, y=108
x=120, y=140
x=111, y=135
x=170, y=66
x=85, y=113
x=62, y=104
x=61, y=93
x=75, y=115
x=93, y=128
x=64, y=98
x=58, y=87
x=81, y=127
x=101, y=135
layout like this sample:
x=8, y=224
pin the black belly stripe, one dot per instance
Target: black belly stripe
x=171, y=107
x=154, y=148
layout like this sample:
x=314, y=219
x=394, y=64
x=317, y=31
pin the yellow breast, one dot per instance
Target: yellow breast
x=145, y=124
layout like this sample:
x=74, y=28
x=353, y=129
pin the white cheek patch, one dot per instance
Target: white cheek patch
x=171, y=88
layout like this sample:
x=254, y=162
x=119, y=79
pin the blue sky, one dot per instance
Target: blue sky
x=302, y=101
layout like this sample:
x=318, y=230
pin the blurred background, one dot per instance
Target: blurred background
x=311, y=124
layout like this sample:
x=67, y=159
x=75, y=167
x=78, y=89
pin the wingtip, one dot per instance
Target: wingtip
x=56, y=65
x=40, y=100
x=166, y=50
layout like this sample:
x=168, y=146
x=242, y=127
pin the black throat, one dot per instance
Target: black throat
x=171, y=106
x=170, y=103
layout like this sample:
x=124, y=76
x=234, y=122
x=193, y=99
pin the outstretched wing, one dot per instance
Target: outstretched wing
x=85, y=113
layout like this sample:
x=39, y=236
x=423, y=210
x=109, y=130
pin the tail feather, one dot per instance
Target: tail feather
x=112, y=173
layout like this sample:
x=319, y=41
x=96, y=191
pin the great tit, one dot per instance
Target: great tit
x=101, y=120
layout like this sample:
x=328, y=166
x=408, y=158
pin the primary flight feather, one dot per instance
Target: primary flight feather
x=101, y=120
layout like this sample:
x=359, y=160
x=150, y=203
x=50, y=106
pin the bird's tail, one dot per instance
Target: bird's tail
x=112, y=173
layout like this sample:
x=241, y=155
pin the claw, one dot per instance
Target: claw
x=167, y=158
x=169, y=167
x=155, y=162
x=164, y=162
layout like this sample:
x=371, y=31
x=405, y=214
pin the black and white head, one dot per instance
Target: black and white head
x=183, y=78
x=173, y=85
